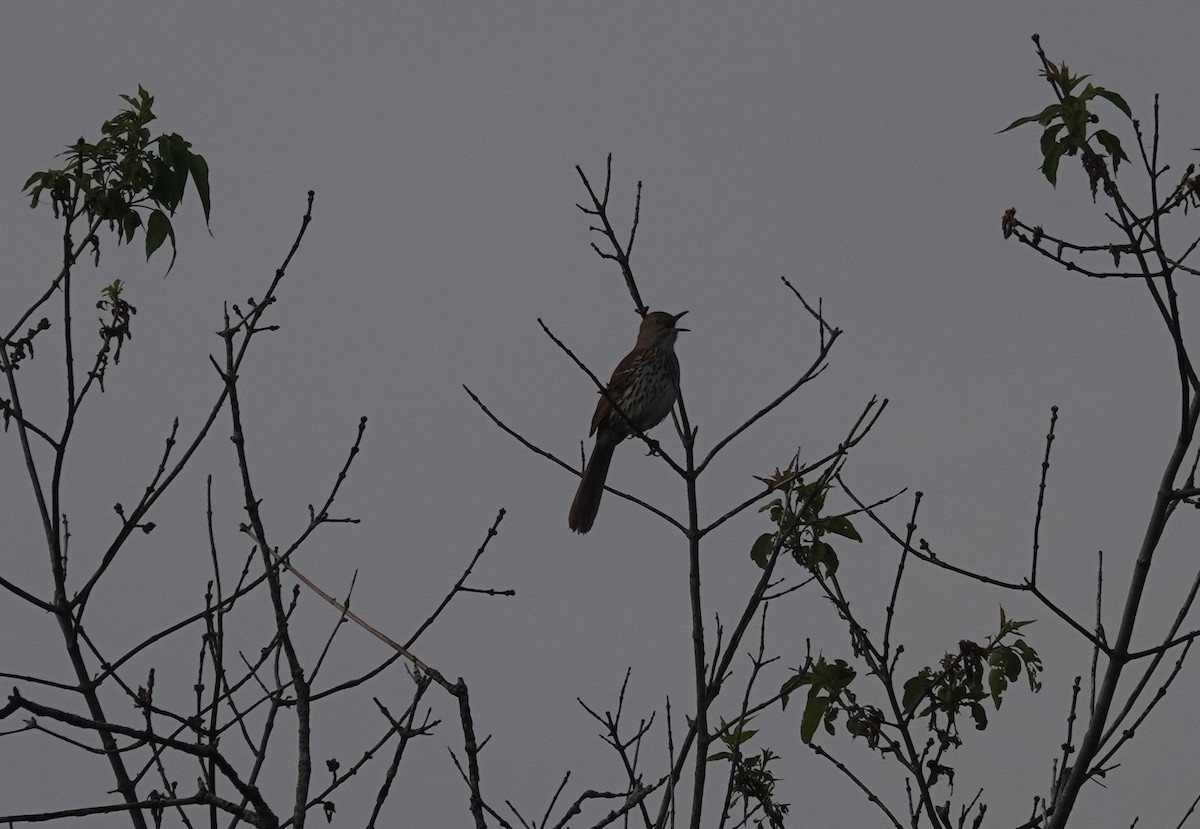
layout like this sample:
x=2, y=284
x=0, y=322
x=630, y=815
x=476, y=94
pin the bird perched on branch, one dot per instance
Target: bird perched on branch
x=643, y=388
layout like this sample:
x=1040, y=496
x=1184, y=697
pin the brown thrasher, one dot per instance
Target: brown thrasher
x=644, y=387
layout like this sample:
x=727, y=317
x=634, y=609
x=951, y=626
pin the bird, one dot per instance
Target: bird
x=644, y=387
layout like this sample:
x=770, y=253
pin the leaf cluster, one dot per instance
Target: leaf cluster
x=802, y=529
x=752, y=783
x=117, y=327
x=959, y=683
x=964, y=679
x=127, y=178
x=1066, y=123
x=828, y=694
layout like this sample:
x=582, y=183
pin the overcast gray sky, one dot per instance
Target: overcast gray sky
x=850, y=147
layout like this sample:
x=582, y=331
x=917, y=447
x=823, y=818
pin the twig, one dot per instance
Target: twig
x=910, y=530
x=871, y=796
x=599, y=209
x=1041, y=499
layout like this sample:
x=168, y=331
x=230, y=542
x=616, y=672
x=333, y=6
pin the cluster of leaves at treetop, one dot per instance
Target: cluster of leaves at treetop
x=958, y=684
x=1066, y=124
x=976, y=672
x=802, y=529
x=125, y=174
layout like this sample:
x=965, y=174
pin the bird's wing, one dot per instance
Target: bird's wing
x=603, y=407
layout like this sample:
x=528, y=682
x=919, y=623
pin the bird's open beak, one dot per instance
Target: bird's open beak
x=675, y=321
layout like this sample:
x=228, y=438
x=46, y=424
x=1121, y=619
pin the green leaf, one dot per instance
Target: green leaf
x=997, y=684
x=1116, y=100
x=979, y=714
x=130, y=222
x=835, y=676
x=1028, y=654
x=792, y=684
x=760, y=553
x=840, y=525
x=823, y=555
x=1075, y=116
x=831, y=559
x=199, y=169
x=1112, y=146
x=733, y=739
x=1049, y=166
x=1007, y=661
x=814, y=713
x=1008, y=625
x=1069, y=82
x=40, y=181
x=1033, y=663
x=811, y=497
x=843, y=675
x=179, y=162
x=1050, y=137
x=158, y=229
x=1044, y=117
x=720, y=755
x=167, y=189
x=916, y=689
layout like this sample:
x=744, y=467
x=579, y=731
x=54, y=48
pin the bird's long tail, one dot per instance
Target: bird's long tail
x=591, y=487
